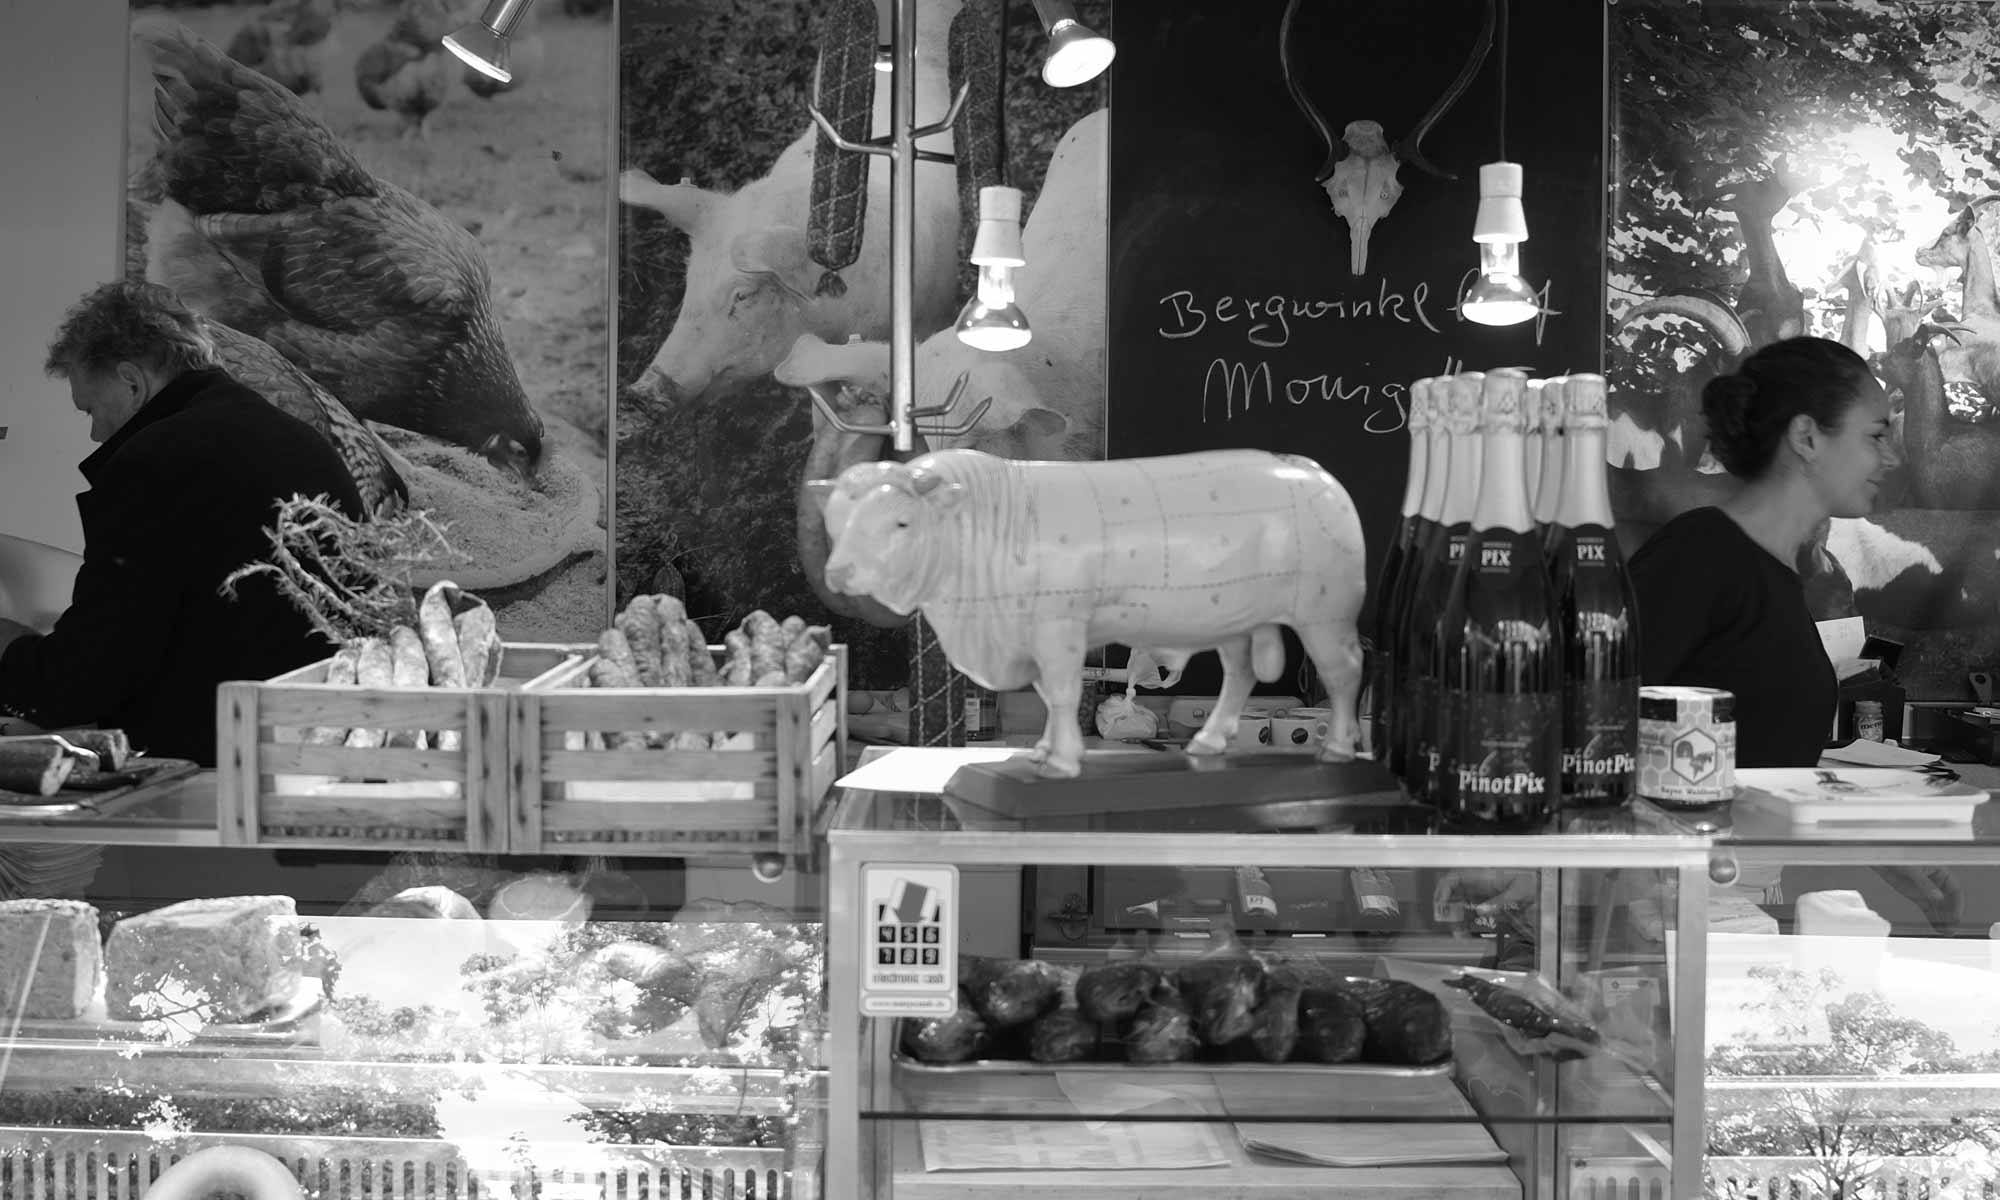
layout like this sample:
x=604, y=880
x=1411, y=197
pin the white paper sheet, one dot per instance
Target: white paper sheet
x=921, y=769
x=1070, y=1145
x=1843, y=638
x=1863, y=753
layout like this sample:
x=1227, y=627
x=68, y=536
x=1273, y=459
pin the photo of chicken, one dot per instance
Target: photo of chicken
x=409, y=72
x=268, y=224
x=433, y=304
x=287, y=43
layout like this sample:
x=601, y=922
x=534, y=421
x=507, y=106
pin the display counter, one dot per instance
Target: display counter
x=455, y=1055
x=553, y=1027
x=1501, y=1113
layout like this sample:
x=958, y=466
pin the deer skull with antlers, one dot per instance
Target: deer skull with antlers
x=1361, y=167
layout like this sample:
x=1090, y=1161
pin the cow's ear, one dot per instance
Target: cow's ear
x=777, y=250
x=687, y=206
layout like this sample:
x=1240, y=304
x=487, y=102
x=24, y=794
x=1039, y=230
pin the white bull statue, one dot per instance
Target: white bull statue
x=1022, y=567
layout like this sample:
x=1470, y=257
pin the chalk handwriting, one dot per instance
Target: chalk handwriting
x=1268, y=322
x=1231, y=388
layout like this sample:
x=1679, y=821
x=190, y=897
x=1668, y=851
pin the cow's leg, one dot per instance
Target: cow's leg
x=1058, y=649
x=1237, y=678
x=1041, y=750
x=1336, y=653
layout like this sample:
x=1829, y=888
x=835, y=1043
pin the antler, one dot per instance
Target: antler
x=1336, y=146
x=1410, y=148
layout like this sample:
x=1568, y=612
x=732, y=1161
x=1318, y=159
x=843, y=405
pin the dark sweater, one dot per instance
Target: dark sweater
x=1718, y=610
x=179, y=498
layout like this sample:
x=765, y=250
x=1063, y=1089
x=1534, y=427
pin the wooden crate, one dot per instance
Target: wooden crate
x=758, y=798
x=272, y=790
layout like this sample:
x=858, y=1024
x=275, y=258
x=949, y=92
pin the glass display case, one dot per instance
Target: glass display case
x=1852, y=1043
x=430, y=1025
x=1564, y=972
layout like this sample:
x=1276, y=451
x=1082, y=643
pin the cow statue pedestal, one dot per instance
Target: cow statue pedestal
x=1163, y=793
x=1023, y=567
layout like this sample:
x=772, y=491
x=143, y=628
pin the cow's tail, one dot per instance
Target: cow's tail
x=1267, y=653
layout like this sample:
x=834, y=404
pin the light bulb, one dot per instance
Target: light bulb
x=1077, y=55
x=1499, y=296
x=991, y=320
x=482, y=44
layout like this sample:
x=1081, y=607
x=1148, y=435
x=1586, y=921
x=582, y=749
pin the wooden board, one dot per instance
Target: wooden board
x=147, y=774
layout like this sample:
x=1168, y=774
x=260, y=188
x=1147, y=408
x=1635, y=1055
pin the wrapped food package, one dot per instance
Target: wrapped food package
x=1064, y=1035
x=1162, y=1031
x=641, y=627
x=1222, y=992
x=53, y=944
x=1274, y=1024
x=1017, y=992
x=702, y=671
x=479, y=648
x=233, y=957
x=1333, y=1026
x=1406, y=1023
x=1114, y=992
x=960, y=1037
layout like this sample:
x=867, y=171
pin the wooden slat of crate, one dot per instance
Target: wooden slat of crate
x=257, y=772
x=797, y=735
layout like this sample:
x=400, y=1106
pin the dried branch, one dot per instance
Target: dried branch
x=349, y=578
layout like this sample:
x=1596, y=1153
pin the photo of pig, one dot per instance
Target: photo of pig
x=379, y=232
x=741, y=342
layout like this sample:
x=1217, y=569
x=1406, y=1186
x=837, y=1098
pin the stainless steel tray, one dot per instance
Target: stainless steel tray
x=1213, y=1067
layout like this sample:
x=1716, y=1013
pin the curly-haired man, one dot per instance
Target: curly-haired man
x=188, y=469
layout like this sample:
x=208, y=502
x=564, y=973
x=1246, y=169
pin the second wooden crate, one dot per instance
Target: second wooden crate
x=757, y=796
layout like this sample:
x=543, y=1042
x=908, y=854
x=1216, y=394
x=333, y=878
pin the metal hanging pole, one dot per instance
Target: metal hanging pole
x=903, y=226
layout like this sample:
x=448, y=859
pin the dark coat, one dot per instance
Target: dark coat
x=179, y=498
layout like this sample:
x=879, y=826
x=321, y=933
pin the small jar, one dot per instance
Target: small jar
x=1687, y=745
x=1868, y=720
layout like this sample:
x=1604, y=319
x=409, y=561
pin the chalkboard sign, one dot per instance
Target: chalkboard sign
x=1235, y=318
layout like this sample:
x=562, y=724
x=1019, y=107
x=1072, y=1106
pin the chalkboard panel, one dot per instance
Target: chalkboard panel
x=1235, y=319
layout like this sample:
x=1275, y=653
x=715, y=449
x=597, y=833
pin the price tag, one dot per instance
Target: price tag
x=909, y=940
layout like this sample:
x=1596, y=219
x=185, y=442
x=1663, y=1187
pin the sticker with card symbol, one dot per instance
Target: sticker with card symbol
x=909, y=951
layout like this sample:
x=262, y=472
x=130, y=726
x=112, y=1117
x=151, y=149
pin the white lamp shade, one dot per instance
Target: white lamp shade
x=1500, y=216
x=482, y=44
x=1077, y=55
x=998, y=243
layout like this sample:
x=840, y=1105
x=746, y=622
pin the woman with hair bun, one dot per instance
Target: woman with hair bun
x=1805, y=426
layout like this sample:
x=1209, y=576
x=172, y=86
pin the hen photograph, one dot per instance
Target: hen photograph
x=405, y=252
x=1824, y=169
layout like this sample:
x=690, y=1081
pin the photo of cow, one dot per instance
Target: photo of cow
x=754, y=293
x=1819, y=169
x=409, y=252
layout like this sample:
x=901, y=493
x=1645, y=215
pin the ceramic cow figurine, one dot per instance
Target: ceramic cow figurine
x=1022, y=567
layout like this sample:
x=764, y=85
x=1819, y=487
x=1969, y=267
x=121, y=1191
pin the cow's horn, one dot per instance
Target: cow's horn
x=924, y=482
x=820, y=489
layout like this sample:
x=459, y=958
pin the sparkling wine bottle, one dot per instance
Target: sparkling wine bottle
x=1395, y=563
x=1499, y=646
x=1431, y=588
x=1532, y=438
x=1548, y=489
x=1437, y=473
x=1600, y=616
